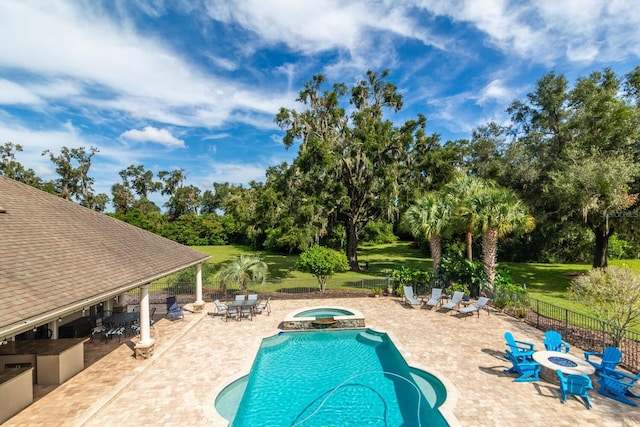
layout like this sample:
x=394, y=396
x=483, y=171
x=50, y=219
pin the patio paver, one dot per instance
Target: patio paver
x=195, y=358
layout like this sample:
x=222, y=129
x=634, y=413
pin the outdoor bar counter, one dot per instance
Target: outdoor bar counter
x=54, y=361
x=16, y=391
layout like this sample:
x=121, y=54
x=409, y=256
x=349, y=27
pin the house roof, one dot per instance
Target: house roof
x=56, y=254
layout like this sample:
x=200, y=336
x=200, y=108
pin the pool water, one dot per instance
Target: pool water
x=348, y=377
x=322, y=313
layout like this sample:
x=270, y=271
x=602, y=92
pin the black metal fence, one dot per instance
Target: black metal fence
x=291, y=288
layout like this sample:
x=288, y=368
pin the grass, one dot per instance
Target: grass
x=546, y=282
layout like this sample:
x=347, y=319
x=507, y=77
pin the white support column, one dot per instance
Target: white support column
x=145, y=346
x=53, y=325
x=145, y=325
x=198, y=305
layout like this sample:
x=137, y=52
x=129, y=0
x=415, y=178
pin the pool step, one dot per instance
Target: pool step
x=370, y=339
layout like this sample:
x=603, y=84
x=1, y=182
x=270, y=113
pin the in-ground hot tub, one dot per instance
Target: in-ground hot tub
x=322, y=317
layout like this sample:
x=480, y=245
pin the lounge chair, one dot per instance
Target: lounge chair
x=576, y=384
x=436, y=298
x=455, y=301
x=410, y=298
x=609, y=359
x=521, y=349
x=173, y=310
x=479, y=305
x=529, y=370
x=617, y=386
x=553, y=342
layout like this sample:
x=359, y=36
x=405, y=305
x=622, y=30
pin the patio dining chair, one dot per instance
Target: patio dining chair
x=266, y=306
x=99, y=329
x=221, y=309
x=246, y=311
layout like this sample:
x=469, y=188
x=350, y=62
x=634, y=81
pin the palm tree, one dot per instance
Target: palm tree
x=499, y=212
x=462, y=191
x=428, y=218
x=243, y=269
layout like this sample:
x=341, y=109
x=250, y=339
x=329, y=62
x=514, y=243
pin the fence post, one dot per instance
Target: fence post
x=537, y=313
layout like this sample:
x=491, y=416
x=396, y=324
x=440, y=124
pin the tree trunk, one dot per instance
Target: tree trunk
x=601, y=245
x=352, y=245
x=436, y=252
x=469, y=240
x=490, y=254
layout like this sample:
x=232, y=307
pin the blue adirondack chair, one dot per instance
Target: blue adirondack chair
x=529, y=370
x=553, y=342
x=617, y=384
x=521, y=349
x=575, y=384
x=609, y=358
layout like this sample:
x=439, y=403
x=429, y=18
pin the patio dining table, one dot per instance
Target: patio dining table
x=123, y=319
x=240, y=304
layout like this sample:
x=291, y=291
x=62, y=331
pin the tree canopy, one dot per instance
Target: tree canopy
x=570, y=154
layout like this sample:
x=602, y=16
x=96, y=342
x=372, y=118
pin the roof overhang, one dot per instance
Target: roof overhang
x=52, y=315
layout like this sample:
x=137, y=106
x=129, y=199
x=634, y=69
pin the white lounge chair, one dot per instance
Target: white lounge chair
x=410, y=298
x=436, y=294
x=479, y=305
x=455, y=301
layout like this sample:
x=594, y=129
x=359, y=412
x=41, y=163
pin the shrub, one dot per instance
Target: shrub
x=613, y=294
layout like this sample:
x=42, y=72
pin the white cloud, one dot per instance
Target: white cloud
x=14, y=94
x=114, y=67
x=543, y=30
x=495, y=91
x=234, y=173
x=152, y=134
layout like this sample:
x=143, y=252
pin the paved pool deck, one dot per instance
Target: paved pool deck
x=195, y=358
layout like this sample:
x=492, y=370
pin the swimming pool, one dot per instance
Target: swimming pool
x=342, y=377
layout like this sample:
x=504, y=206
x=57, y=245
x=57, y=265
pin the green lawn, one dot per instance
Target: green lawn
x=546, y=282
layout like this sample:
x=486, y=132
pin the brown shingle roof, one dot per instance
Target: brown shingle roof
x=55, y=253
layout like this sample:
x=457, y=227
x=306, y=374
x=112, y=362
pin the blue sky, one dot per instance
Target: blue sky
x=196, y=84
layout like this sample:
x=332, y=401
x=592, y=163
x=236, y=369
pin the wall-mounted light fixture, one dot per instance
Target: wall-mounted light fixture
x=4, y=342
x=59, y=319
x=35, y=329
